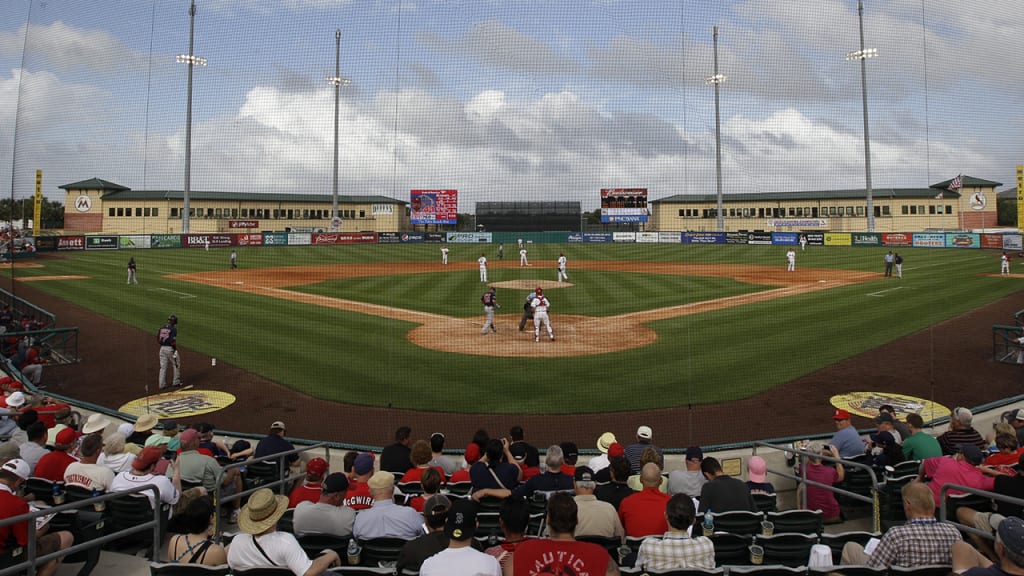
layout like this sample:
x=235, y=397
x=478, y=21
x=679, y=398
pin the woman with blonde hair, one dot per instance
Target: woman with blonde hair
x=114, y=455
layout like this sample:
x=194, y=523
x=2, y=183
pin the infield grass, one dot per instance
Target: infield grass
x=707, y=357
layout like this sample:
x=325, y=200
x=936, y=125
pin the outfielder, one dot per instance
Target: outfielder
x=490, y=300
x=167, y=337
x=561, y=268
x=1004, y=264
x=791, y=260
x=483, y=267
x=131, y=271
x=803, y=242
x=540, y=307
x=522, y=258
x=444, y=255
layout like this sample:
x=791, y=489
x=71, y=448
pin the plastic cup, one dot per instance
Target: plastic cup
x=767, y=528
x=756, y=555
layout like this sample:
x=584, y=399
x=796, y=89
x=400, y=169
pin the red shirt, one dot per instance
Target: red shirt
x=460, y=476
x=945, y=470
x=358, y=495
x=1002, y=459
x=643, y=513
x=11, y=506
x=559, y=558
x=417, y=502
x=52, y=466
x=305, y=493
x=531, y=471
x=414, y=474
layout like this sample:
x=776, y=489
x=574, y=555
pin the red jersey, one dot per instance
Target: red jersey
x=52, y=466
x=358, y=495
x=460, y=476
x=11, y=506
x=306, y=492
x=415, y=474
x=643, y=513
x=529, y=471
x=559, y=558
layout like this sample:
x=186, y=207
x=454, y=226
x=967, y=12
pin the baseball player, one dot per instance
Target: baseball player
x=444, y=255
x=803, y=242
x=167, y=337
x=483, y=267
x=898, y=260
x=561, y=268
x=522, y=258
x=501, y=251
x=1004, y=264
x=131, y=271
x=490, y=300
x=234, y=260
x=540, y=307
x=791, y=260
x=527, y=312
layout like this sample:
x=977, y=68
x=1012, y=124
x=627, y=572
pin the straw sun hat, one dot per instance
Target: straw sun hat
x=262, y=511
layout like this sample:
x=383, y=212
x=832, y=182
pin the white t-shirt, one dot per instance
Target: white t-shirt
x=118, y=462
x=92, y=476
x=128, y=480
x=282, y=548
x=460, y=561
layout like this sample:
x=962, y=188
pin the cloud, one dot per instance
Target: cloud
x=496, y=45
x=65, y=48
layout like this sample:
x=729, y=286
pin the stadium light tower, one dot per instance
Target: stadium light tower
x=862, y=55
x=192, y=60
x=716, y=80
x=337, y=81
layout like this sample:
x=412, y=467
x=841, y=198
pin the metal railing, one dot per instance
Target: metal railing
x=876, y=517
x=1006, y=346
x=944, y=496
x=22, y=307
x=31, y=560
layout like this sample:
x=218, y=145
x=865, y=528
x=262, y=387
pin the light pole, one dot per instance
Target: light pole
x=192, y=60
x=862, y=55
x=716, y=80
x=337, y=81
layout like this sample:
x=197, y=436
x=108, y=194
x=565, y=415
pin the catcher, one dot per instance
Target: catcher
x=527, y=312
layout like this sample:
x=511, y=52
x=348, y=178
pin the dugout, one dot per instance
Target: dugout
x=528, y=216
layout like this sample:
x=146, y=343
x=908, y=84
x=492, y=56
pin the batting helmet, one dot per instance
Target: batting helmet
x=539, y=290
x=172, y=319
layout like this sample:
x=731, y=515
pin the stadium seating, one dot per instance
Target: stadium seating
x=131, y=510
x=731, y=549
x=768, y=570
x=766, y=502
x=259, y=473
x=787, y=548
x=178, y=569
x=835, y=542
x=313, y=544
x=926, y=570
x=799, y=521
x=376, y=550
x=738, y=522
x=847, y=571
x=41, y=489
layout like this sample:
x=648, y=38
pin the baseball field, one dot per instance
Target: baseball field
x=638, y=326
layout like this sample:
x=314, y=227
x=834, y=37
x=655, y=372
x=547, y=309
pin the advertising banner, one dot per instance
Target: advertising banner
x=321, y=238
x=866, y=239
x=923, y=240
x=248, y=239
x=815, y=238
x=46, y=243
x=669, y=237
x=71, y=243
x=574, y=238
x=243, y=224
x=389, y=237
x=963, y=240
x=1013, y=242
x=785, y=238
x=647, y=237
x=101, y=242
x=164, y=241
x=435, y=237
x=469, y=237
x=434, y=206
x=412, y=237
x=734, y=237
x=298, y=239
x=992, y=241
x=897, y=239
x=598, y=237
x=797, y=222
x=706, y=238
x=838, y=239
x=275, y=238
x=624, y=205
x=204, y=240
x=623, y=236
x=133, y=241
x=759, y=237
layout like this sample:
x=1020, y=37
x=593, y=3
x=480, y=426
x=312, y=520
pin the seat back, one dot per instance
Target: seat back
x=287, y=521
x=131, y=510
x=259, y=473
x=41, y=488
x=766, y=502
x=178, y=569
x=610, y=544
x=75, y=493
x=731, y=549
x=738, y=522
x=263, y=572
x=768, y=570
x=459, y=488
x=905, y=468
x=376, y=550
x=788, y=549
x=848, y=570
x=410, y=488
x=892, y=499
x=925, y=570
x=800, y=521
x=835, y=542
x=313, y=543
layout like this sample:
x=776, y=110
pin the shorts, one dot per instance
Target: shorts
x=987, y=521
x=47, y=544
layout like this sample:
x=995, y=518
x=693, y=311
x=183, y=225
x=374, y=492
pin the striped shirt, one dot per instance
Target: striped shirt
x=916, y=543
x=676, y=550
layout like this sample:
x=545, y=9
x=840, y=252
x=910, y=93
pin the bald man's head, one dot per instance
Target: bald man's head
x=650, y=475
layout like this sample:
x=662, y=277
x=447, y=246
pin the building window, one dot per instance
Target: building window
x=138, y=212
x=949, y=208
x=885, y=211
x=234, y=212
x=814, y=212
x=860, y=210
x=849, y=210
x=362, y=213
x=920, y=210
x=799, y=211
x=174, y=212
x=807, y=210
x=146, y=212
x=120, y=211
x=156, y=212
x=218, y=213
x=110, y=212
x=277, y=213
x=760, y=212
x=905, y=210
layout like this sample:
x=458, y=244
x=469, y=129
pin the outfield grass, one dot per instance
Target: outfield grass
x=708, y=357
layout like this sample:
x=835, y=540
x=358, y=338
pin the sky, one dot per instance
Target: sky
x=527, y=100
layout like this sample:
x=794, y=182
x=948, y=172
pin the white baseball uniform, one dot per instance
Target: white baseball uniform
x=483, y=268
x=522, y=258
x=444, y=256
x=1004, y=266
x=540, y=307
x=803, y=242
x=561, y=269
x=791, y=260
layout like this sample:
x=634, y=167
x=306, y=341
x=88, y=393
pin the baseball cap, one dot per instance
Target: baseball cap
x=381, y=480
x=169, y=424
x=66, y=437
x=616, y=449
x=757, y=469
x=840, y=414
x=1011, y=533
x=278, y=425
x=472, y=452
x=363, y=463
x=606, y=440
x=461, y=524
x=883, y=438
x=189, y=436
x=16, y=399
x=694, y=453
x=148, y=456
x=583, y=474
x=971, y=453
x=437, y=506
x=1017, y=414
x=884, y=417
x=18, y=467
x=317, y=466
x=644, y=432
x=518, y=451
x=334, y=483
x=569, y=450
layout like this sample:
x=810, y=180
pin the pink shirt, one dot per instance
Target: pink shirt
x=945, y=470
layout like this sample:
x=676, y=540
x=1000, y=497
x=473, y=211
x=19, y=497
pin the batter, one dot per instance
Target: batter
x=540, y=307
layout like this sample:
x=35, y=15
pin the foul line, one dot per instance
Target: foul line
x=183, y=295
x=877, y=294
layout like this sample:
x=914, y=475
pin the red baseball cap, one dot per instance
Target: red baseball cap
x=317, y=466
x=616, y=449
x=840, y=415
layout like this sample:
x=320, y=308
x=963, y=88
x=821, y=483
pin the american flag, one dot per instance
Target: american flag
x=957, y=183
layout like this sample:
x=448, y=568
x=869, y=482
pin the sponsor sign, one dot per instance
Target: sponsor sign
x=647, y=237
x=963, y=240
x=233, y=224
x=412, y=237
x=83, y=203
x=165, y=241
x=669, y=237
x=46, y=243
x=382, y=209
x=866, y=404
x=298, y=239
x=435, y=237
x=469, y=237
x=924, y=240
x=389, y=237
x=735, y=237
x=785, y=238
x=433, y=206
x=759, y=237
x=275, y=238
x=866, y=239
x=322, y=238
x=71, y=243
x=101, y=242
x=623, y=236
x=992, y=241
x=598, y=237
x=706, y=238
x=897, y=239
x=133, y=241
x=179, y=404
x=249, y=239
x=1012, y=242
x=797, y=222
x=838, y=239
x=202, y=240
x=815, y=238
x=624, y=205
x=574, y=238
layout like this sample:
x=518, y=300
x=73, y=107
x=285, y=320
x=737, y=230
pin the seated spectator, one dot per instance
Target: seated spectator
x=757, y=476
x=310, y=489
x=961, y=468
x=419, y=456
x=143, y=471
x=884, y=450
x=141, y=432
x=594, y=517
x=208, y=442
x=385, y=519
x=518, y=436
x=460, y=558
x=676, y=549
x=61, y=420
x=86, y=472
x=328, y=515
x=1009, y=551
x=922, y=540
x=846, y=439
x=885, y=422
x=643, y=513
x=1003, y=484
x=1008, y=451
x=347, y=462
x=435, y=513
x=114, y=455
x=126, y=429
x=395, y=458
x=616, y=490
x=519, y=455
x=901, y=427
x=513, y=518
x=275, y=443
x=820, y=498
x=200, y=470
x=600, y=462
x=547, y=555
x=35, y=448
x=723, y=493
x=551, y=480
x=649, y=455
x=437, y=457
x=53, y=465
x=193, y=542
x=430, y=482
x=960, y=432
x=604, y=475
x=690, y=480
x=358, y=495
x=262, y=546
x=495, y=470
x=644, y=434
x=13, y=474
x=920, y=444
x=95, y=424
x=570, y=455
x=471, y=457
x=168, y=437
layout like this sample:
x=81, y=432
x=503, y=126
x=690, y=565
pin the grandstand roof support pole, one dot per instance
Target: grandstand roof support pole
x=192, y=60
x=337, y=81
x=862, y=55
x=716, y=80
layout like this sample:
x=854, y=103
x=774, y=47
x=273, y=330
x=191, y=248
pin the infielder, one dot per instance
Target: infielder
x=561, y=268
x=522, y=258
x=131, y=271
x=490, y=300
x=483, y=267
x=540, y=307
x=1004, y=264
x=167, y=337
x=791, y=260
x=444, y=255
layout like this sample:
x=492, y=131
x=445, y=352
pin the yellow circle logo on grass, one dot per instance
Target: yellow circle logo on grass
x=866, y=404
x=179, y=404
